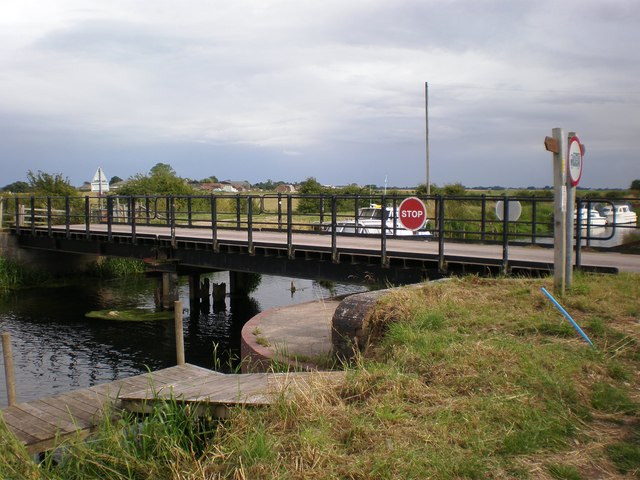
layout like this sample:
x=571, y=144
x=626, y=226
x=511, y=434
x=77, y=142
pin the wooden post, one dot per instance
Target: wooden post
x=558, y=146
x=8, y=368
x=179, y=332
x=1, y=212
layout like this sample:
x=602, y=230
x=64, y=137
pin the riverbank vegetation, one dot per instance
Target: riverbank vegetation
x=115, y=267
x=467, y=378
x=14, y=274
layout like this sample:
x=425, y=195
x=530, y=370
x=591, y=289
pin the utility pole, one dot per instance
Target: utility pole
x=426, y=115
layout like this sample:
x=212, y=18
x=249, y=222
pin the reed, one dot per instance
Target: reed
x=113, y=267
x=14, y=274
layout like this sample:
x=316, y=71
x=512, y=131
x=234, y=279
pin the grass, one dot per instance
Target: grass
x=469, y=378
x=112, y=267
x=14, y=274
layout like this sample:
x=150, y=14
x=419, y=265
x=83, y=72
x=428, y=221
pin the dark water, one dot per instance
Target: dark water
x=57, y=349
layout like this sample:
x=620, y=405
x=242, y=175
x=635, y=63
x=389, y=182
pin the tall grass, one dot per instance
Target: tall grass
x=14, y=274
x=112, y=267
x=470, y=378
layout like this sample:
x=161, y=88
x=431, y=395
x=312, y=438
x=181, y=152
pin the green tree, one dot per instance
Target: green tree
x=454, y=189
x=635, y=185
x=310, y=187
x=17, y=187
x=161, y=180
x=211, y=179
x=48, y=184
x=162, y=169
x=114, y=179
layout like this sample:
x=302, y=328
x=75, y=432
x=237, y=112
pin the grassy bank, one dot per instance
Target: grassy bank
x=469, y=378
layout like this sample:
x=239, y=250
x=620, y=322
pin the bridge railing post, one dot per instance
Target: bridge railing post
x=109, y=218
x=33, y=216
x=132, y=216
x=505, y=236
x=578, y=226
x=87, y=215
x=147, y=206
x=19, y=215
x=334, y=229
x=483, y=218
x=67, y=216
x=279, y=211
x=534, y=215
x=214, y=223
x=189, y=211
x=440, y=209
x=321, y=209
x=384, y=260
x=49, y=221
x=290, y=252
x=250, y=226
x=238, y=212
x=172, y=219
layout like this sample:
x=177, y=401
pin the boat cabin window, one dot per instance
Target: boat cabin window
x=365, y=213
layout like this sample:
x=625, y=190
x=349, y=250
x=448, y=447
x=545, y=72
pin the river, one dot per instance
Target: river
x=57, y=349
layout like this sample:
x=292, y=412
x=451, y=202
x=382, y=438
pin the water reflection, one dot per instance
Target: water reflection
x=56, y=348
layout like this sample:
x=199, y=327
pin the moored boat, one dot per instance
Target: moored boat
x=619, y=214
x=369, y=221
x=589, y=218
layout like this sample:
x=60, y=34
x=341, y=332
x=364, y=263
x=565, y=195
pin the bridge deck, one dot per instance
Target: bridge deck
x=402, y=248
x=45, y=423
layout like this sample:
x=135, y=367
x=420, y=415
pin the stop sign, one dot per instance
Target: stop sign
x=412, y=213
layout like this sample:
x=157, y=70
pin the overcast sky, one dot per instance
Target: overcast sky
x=334, y=89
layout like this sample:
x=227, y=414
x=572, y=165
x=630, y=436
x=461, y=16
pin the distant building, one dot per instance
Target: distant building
x=286, y=189
x=242, y=186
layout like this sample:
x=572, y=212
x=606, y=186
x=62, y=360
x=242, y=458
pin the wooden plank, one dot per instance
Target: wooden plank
x=19, y=425
x=58, y=419
x=75, y=409
x=23, y=420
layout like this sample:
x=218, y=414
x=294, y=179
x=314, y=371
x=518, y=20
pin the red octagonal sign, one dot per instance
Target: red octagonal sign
x=412, y=213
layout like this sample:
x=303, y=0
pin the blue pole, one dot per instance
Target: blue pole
x=568, y=317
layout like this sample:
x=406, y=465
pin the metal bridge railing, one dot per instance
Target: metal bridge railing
x=467, y=218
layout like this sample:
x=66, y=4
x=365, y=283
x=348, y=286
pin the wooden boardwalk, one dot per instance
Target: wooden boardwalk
x=42, y=424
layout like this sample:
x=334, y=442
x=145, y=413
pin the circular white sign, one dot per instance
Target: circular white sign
x=575, y=160
x=515, y=210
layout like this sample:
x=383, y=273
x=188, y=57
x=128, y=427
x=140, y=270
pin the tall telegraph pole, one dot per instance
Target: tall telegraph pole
x=426, y=116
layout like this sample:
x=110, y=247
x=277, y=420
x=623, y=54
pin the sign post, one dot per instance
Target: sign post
x=412, y=213
x=557, y=145
x=574, y=170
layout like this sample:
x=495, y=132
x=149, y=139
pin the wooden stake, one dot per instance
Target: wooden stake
x=8, y=368
x=179, y=332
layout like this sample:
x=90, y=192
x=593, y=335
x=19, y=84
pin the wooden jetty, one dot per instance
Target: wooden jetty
x=42, y=424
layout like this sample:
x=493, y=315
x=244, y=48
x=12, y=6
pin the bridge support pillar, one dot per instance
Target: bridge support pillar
x=241, y=283
x=195, y=291
x=167, y=290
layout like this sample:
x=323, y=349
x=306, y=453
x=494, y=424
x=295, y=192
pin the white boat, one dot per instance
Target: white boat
x=591, y=218
x=619, y=214
x=370, y=219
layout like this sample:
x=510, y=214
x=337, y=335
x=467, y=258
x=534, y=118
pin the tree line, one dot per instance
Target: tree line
x=163, y=180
